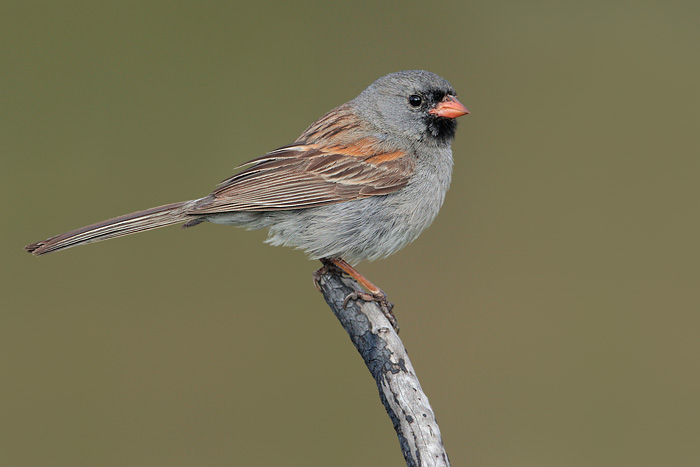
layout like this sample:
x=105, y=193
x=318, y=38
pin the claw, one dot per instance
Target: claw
x=327, y=268
x=317, y=277
x=381, y=300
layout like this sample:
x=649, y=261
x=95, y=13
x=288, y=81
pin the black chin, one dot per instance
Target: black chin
x=441, y=129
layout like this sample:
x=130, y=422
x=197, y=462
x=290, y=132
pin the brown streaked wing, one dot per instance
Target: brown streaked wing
x=308, y=175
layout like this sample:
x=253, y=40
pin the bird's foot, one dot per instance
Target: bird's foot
x=381, y=300
x=328, y=268
x=373, y=294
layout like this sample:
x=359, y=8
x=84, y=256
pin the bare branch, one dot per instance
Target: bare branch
x=387, y=360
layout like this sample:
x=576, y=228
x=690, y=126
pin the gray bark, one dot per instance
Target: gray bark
x=387, y=360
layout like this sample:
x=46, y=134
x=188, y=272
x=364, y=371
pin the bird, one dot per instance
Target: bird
x=360, y=183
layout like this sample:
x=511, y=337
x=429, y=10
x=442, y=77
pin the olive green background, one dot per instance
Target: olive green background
x=551, y=311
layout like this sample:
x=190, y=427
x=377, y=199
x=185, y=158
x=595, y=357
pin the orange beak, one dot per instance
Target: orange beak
x=449, y=107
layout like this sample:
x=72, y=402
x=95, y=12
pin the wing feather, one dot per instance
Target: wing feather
x=311, y=177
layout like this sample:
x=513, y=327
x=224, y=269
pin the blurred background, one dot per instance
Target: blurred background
x=551, y=311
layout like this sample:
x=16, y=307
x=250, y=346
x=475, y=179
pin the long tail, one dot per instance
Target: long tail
x=119, y=226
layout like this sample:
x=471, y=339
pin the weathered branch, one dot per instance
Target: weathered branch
x=387, y=360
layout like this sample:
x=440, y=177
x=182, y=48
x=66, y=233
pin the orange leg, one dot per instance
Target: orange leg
x=375, y=293
x=355, y=274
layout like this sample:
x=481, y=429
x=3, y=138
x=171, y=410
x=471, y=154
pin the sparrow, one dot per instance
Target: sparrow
x=360, y=183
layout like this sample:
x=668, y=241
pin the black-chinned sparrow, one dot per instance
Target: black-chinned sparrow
x=360, y=183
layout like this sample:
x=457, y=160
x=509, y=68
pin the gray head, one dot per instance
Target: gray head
x=416, y=104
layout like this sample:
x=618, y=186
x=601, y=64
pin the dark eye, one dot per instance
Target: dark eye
x=415, y=100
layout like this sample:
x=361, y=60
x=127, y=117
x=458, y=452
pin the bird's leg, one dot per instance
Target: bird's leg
x=337, y=265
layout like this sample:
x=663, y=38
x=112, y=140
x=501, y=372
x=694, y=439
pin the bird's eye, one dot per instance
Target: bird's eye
x=415, y=100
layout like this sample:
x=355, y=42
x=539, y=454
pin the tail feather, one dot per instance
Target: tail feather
x=111, y=228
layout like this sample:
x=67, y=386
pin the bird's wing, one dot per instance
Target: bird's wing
x=305, y=175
